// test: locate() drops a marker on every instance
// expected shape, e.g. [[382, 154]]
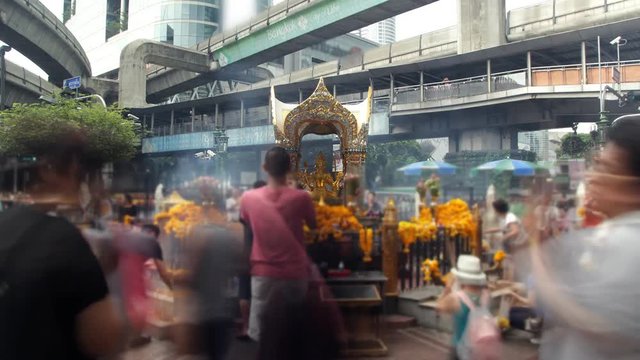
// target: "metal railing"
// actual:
[[555, 17], [437, 248], [471, 86]]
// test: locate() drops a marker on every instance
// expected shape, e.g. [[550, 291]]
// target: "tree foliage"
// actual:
[[29, 129], [574, 146], [384, 159]]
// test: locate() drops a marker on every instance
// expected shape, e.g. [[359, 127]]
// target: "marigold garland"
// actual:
[[454, 216], [366, 243], [180, 219], [499, 256], [431, 270], [334, 221]]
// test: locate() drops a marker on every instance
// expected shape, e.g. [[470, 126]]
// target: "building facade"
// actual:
[[105, 27], [383, 32]]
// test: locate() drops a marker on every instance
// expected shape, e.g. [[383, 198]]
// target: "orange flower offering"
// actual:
[[431, 270], [334, 221], [499, 256], [457, 218], [366, 243], [182, 217]]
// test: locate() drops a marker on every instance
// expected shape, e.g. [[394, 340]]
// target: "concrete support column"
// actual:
[[489, 82], [392, 95], [421, 86], [529, 72], [171, 126], [583, 57], [454, 142], [241, 113], [215, 116], [513, 133], [299, 96], [480, 139], [153, 118], [144, 122], [193, 117], [481, 24], [335, 91]]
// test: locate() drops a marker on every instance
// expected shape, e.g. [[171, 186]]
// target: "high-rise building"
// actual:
[[105, 27], [383, 32]]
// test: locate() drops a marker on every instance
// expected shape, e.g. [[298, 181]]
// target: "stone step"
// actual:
[[432, 319], [396, 322]]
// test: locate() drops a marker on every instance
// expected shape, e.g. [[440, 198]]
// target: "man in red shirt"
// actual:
[[276, 214]]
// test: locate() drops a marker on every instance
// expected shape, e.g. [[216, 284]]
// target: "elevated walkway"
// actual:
[[280, 30], [29, 27], [24, 86]]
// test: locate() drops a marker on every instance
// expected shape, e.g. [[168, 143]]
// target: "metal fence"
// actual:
[[443, 247]]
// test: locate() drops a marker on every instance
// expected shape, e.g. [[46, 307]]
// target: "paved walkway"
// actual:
[[406, 344]]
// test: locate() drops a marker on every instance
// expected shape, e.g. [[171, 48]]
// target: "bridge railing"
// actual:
[[557, 75], [458, 88]]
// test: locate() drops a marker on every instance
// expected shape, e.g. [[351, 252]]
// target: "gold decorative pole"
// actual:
[[390, 247]]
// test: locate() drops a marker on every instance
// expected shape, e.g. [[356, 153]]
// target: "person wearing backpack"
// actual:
[[465, 297]]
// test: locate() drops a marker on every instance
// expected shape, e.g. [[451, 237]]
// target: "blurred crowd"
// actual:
[[80, 292]]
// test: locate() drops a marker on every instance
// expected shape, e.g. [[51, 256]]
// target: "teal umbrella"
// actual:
[[441, 167], [517, 167]]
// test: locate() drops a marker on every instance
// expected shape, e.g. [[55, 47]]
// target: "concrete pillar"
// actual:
[[489, 82], [215, 116], [529, 72], [241, 113], [583, 57], [392, 96], [481, 24], [153, 118], [480, 139], [335, 91], [193, 117], [299, 96], [171, 126], [144, 122], [421, 86], [454, 142]]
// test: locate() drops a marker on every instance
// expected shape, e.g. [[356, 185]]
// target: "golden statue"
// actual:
[[321, 183]]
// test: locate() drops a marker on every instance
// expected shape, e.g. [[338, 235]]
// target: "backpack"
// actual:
[[481, 339]]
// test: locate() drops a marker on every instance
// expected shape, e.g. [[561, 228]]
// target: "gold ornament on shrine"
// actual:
[[322, 114]]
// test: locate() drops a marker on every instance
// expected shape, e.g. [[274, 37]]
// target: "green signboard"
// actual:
[[315, 16]]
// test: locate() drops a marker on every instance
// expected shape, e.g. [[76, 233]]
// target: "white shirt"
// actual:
[[233, 211]]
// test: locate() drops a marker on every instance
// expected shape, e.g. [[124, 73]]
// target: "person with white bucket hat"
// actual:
[[471, 299]]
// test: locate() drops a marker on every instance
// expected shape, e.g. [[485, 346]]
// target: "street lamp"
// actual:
[[618, 41], [3, 75], [221, 141]]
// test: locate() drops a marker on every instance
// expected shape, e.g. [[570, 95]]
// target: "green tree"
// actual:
[[573, 146], [384, 159], [28, 129]]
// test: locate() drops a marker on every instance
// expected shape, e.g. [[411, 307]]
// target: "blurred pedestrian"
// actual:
[[464, 292], [276, 214], [588, 282], [214, 257], [244, 279], [373, 206], [232, 205], [128, 208], [54, 299]]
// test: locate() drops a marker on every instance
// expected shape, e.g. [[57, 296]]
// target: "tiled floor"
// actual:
[[406, 344]]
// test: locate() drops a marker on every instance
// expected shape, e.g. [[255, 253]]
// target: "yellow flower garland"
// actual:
[[334, 221], [454, 216], [431, 270]]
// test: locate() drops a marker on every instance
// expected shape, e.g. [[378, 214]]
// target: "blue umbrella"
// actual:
[[518, 167], [441, 167]]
